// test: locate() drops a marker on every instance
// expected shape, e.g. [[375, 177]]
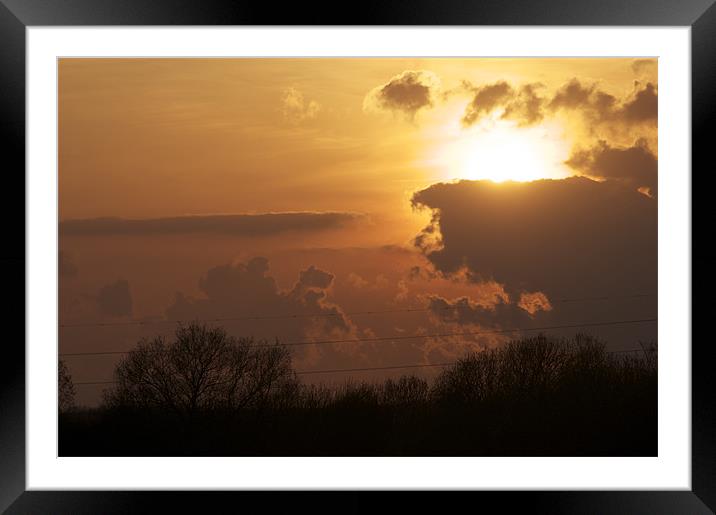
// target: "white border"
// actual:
[[670, 470]]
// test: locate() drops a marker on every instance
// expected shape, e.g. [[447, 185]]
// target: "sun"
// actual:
[[501, 151], [506, 153]]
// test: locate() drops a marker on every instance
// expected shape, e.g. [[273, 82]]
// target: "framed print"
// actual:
[[294, 250]]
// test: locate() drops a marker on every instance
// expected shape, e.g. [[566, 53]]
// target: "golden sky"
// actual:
[[202, 188], [164, 137]]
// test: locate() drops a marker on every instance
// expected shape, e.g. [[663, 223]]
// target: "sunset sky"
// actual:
[[209, 188]]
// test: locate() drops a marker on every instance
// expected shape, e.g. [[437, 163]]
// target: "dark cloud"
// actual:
[[562, 237], [115, 299], [526, 107], [485, 99], [643, 106], [468, 324], [600, 107], [522, 104], [465, 311], [235, 225], [315, 278], [65, 266], [246, 290], [572, 95], [636, 166], [407, 93], [525, 104], [300, 313]]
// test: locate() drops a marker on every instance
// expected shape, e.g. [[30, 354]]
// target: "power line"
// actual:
[[466, 333], [365, 369], [322, 315], [330, 371], [581, 299], [338, 370], [409, 337]]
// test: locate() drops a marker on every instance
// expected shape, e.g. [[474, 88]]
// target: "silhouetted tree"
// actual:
[[66, 389], [407, 390], [202, 368], [533, 396], [649, 350], [522, 369]]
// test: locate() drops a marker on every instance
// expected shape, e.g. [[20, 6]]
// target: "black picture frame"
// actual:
[[17, 15]]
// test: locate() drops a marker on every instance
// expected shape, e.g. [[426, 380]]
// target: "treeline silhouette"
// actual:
[[206, 393]]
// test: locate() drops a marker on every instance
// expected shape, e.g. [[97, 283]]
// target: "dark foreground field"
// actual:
[[533, 397]]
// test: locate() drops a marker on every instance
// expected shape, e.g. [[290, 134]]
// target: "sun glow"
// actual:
[[499, 151]]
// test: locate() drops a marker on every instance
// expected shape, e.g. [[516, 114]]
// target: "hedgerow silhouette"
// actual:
[[206, 393]]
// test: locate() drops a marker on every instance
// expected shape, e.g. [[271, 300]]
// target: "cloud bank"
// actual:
[[246, 290], [466, 311], [600, 107], [235, 225], [526, 104], [562, 237], [635, 166]]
